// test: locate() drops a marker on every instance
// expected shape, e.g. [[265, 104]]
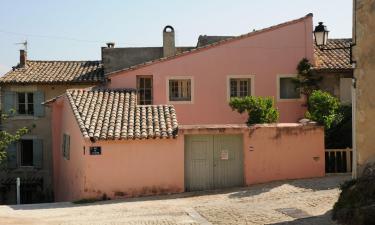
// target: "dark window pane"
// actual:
[[26, 153], [288, 89], [21, 98], [30, 109], [21, 109], [30, 97]]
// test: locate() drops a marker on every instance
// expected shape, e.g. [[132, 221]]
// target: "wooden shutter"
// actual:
[[12, 156], [67, 147], [8, 101], [38, 153], [38, 107]]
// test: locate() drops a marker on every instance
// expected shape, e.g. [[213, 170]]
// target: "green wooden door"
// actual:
[[213, 161], [198, 162]]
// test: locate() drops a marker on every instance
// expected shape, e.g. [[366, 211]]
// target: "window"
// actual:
[[144, 86], [240, 87], [66, 146], [25, 103], [287, 89], [180, 90], [26, 152]]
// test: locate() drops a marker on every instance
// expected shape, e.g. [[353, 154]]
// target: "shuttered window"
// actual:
[[66, 146], [23, 103], [25, 153]]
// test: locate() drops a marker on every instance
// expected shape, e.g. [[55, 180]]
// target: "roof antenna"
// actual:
[[23, 43]]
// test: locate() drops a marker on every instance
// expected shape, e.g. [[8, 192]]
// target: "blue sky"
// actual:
[[50, 26]]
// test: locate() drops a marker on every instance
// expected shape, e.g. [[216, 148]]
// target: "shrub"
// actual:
[[323, 108], [259, 109], [356, 204], [340, 134]]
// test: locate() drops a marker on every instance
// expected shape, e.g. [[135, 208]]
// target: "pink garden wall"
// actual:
[[264, 55], [156, 166]]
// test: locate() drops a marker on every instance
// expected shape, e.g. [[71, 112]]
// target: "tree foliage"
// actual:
[[307, 79], [323, 108], [7, 138], [259, 109]]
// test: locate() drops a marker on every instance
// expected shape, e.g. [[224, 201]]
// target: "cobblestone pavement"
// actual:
[[307, 201]]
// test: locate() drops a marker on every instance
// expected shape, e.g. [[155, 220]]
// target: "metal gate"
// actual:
[[213, 161]]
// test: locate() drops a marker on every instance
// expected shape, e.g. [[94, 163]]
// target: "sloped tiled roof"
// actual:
[[56, 72], [218, 43], [104, 114], [331, 58]]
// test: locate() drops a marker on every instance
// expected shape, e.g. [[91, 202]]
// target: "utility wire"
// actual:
[[58, 37]]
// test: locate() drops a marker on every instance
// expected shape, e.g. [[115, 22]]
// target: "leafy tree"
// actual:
[[259, 109], [7, 138], [324, 108], [307, 79]]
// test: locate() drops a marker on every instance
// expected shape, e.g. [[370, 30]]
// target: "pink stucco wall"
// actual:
[[125, 168], [147, 167], [265, 55], [283, 152], [276, 151], [69, 175]]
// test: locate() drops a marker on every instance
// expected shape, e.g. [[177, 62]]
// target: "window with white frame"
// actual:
[[288, 89], [240, 87], [25, 103], [180, 90]]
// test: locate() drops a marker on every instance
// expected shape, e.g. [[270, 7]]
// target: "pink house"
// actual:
[[165, 126]]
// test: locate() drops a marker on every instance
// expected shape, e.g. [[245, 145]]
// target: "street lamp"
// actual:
[[321, 39], [321, 35]]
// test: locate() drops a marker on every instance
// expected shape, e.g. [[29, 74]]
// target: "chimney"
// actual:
[[169, 47], [110, 44], [23, 57]]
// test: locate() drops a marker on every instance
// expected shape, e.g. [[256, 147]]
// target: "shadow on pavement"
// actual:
[[314, 184], [324, 219], [239, 192]]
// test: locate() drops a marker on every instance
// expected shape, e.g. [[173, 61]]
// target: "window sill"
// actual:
[[290, 100], [180, 102], [19, 117]]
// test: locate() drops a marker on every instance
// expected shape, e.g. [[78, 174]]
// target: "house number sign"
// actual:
[[95, 150], [224, 155]]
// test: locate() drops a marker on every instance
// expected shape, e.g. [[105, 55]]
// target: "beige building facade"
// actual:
[[23, 90], [364, 72]]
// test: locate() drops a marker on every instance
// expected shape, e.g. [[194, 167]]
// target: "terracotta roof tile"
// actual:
[[332, 58], [105, 114], [56, 72]]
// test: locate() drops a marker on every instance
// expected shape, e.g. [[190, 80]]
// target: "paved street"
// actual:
[[306, 201]]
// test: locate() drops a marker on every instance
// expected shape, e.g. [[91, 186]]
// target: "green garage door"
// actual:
[[213, 161]]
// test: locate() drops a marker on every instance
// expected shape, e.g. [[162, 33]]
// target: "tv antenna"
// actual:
[[23, 43]]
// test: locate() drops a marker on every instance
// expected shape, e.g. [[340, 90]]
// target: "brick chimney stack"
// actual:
[[169, 47], [23, 57]]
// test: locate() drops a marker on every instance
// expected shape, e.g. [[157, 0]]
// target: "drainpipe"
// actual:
[[354, 144], [18, 186], [354, 100]]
